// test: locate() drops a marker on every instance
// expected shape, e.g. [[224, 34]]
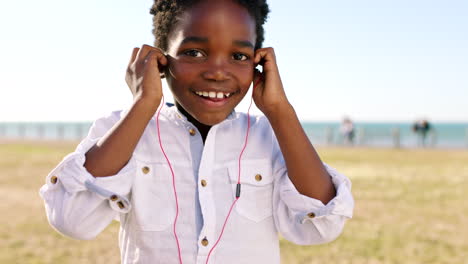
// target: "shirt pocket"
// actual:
[[152, 197], [256, 196]]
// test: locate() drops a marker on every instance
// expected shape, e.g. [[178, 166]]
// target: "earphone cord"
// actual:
[[173, 178]]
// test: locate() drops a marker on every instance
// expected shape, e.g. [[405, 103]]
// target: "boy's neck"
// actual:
[[202, 128]]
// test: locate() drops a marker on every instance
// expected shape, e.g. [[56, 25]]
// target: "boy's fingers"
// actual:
[[261, 57], [162, 63], [155, 60], [134, 54], [162, 59], [143, 57], [258, 56], [156, 57], [130, 67], [143, 53], [264, 54]]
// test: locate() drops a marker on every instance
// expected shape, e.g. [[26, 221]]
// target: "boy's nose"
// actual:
[[216, 75], [216, 71]]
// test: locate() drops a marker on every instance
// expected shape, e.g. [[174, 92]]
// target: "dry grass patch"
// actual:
[[410, 208]]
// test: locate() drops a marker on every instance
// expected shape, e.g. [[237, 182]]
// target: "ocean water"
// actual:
[[442, 135], [44, 130]]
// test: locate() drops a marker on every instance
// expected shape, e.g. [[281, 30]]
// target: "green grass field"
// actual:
[[410, 208]]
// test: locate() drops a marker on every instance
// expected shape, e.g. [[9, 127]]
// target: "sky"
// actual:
[[376, 61]]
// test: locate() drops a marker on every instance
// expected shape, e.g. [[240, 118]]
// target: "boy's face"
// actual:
[[211, 52]]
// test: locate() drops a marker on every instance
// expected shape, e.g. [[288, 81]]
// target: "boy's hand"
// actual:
[[269, 95], [144, 74]]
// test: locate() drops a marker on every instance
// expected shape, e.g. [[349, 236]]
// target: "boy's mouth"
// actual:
[[211, 95]]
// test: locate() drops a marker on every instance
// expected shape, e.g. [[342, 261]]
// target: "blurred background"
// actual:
[[380, 87]]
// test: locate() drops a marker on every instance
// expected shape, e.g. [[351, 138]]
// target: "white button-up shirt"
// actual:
[[141, 195]]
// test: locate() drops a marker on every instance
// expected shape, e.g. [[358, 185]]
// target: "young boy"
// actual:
[[199, 182]]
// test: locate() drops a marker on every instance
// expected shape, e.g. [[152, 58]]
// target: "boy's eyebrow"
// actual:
[[243, 43], [194, 39]]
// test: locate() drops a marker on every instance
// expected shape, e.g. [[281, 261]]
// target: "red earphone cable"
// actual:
[[238, 177], [173, 178], [238, 184], [173, 181]]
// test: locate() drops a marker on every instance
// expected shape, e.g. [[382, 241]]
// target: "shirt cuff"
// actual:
[[74, 177], [309, 209]]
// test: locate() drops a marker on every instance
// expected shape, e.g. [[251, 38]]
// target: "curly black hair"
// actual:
[[165, 11]]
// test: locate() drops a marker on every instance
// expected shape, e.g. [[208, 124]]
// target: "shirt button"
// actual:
[[258, 177], [53, 179], [145, 170], [311, 215], [192, 132], [204, 242], [203, 183]]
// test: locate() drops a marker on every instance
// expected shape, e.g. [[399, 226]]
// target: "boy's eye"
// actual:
[[193, 53], [239, 56]]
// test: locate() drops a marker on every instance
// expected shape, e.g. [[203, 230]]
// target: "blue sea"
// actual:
[[442, 135]]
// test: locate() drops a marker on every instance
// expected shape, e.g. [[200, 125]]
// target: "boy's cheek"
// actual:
[[244, 71], [180, 70]]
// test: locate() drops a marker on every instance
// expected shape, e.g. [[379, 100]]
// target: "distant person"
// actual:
[[421, 128], [347, 130], [175, 207]]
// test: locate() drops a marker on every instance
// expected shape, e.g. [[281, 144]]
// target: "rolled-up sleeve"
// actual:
[[79, 205], [306, 221]]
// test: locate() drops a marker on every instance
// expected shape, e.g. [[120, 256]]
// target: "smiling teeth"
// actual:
[[212, 94]]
